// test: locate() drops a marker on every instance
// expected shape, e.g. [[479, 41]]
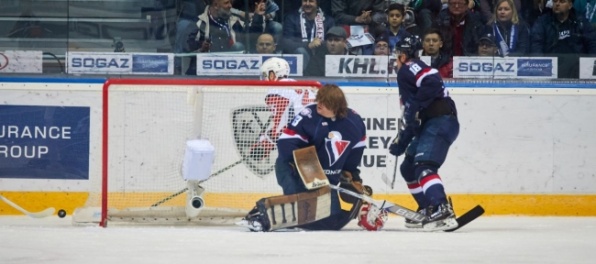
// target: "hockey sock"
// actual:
[[433, 189], [418, 194]]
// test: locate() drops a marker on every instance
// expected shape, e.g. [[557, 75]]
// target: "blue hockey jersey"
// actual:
[[339, 143], [420, 86]]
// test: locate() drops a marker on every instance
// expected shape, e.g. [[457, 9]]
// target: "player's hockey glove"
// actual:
[[405, 134]]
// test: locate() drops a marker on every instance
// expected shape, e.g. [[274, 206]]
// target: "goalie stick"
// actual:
[[40, 214], [312, 175], [172, 196], [385, 205], [462, 220]]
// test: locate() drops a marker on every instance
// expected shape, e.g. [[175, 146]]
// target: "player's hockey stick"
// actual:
[[385, 205], [468, 217], [40, 214], [400, 126], [394, 172], [172, 196]]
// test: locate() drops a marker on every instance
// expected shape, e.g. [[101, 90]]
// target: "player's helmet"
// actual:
[[274, 69], [409, 46]]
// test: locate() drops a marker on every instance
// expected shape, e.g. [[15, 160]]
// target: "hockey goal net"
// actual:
[[147, 124]]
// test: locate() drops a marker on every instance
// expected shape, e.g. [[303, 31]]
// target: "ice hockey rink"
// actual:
[[489, 239]]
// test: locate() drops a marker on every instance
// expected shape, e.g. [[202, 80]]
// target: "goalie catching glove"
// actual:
[[371, 217]]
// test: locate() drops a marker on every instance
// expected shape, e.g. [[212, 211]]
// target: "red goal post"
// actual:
[[146, 126]]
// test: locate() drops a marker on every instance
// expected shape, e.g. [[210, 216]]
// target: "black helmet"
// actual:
[[409, 46]]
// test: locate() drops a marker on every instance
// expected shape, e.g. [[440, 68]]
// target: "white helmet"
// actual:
[[278, 66]]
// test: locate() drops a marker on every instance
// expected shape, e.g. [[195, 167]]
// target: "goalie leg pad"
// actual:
[[294, 210]]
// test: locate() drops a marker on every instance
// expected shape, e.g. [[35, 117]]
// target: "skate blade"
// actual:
[[250, 225], [441, 225], [413, 225]]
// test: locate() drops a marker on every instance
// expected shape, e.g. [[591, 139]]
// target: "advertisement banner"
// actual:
[[120, 63], [358, 66], [21, 61], [44, 142], [226, 64], [587, 68], [507, 67]]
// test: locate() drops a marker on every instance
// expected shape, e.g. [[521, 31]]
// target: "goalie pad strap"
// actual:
[[296, 209]]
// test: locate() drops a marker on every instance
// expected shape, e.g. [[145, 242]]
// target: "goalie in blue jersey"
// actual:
[[429, 127], [338, 135]]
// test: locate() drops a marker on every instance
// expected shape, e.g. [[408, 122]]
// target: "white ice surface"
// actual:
[[487, 240]]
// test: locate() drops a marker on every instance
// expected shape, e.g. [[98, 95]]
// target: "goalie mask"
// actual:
[[274, 69]]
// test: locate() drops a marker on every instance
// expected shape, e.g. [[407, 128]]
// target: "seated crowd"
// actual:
[[446, 28]]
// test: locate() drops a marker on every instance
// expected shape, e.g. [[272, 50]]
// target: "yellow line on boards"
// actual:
[[494, 204]]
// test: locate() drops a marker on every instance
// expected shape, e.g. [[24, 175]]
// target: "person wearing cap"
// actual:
[[304, 30], [564, 34], [487, 46], [381, 45], [335, 44], [512, 35]]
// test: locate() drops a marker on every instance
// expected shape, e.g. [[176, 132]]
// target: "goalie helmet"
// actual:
[[410, 46], [274, 69], [371, 217]]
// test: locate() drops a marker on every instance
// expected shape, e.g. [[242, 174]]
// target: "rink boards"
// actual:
[[523, 148]]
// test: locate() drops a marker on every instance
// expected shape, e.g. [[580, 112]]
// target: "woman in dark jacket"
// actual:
[[512, 34]]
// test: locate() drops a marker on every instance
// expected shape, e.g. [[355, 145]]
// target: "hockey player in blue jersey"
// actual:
[[430, 126], [338, 135]]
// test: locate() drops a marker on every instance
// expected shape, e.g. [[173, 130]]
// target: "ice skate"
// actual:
[[252, 221], [440, 217], [415, 224]]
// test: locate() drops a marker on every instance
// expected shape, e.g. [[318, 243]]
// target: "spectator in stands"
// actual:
[[304, 30], [267, 8], [532, 9], [563, 34], [487, 46], [217, 31], [432, 45], [487, 8], [368, 13], [266, 44], [188, 15], [382, 45], [423, 13], [586, 8], [335, 44], [511, 34], [461, 28], [395, 28]]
